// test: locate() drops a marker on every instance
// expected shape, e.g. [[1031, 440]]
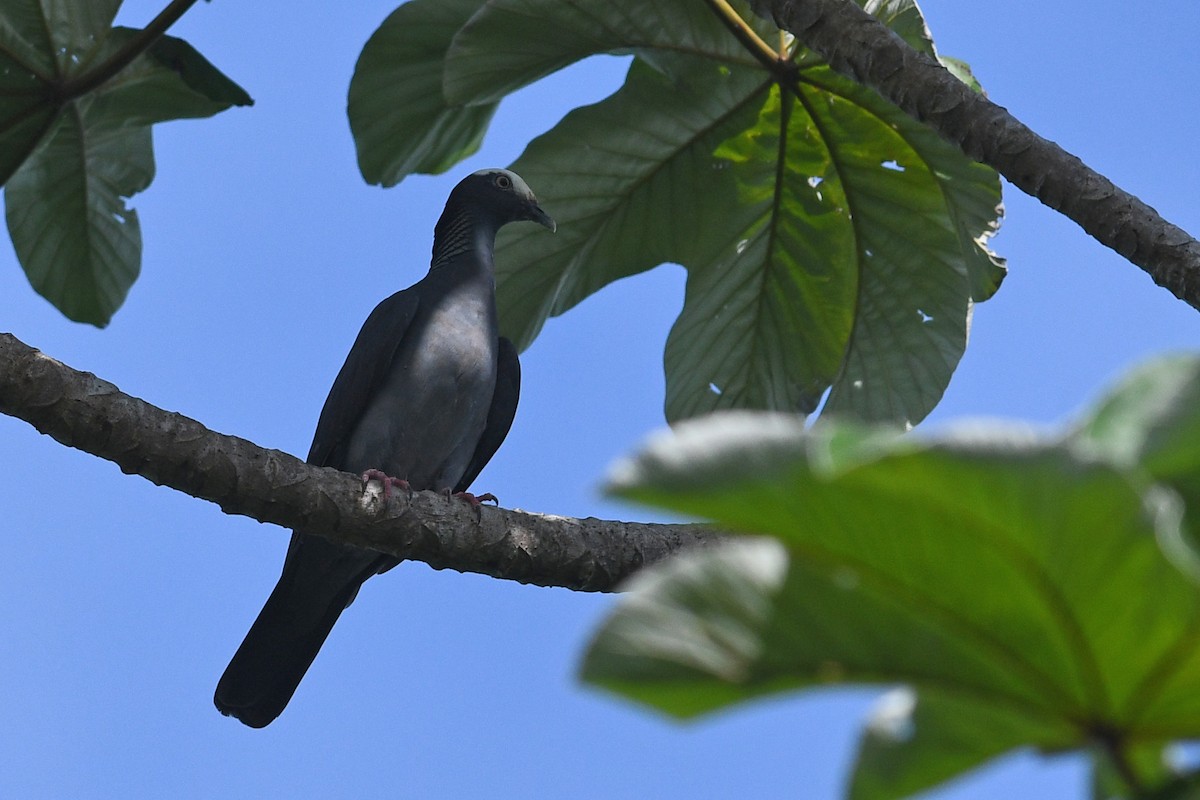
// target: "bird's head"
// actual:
[[504, 193]]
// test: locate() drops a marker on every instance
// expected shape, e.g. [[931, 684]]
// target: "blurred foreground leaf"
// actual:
[[1026, 586]]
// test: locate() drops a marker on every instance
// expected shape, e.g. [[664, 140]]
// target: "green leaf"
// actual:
[[913, 743], [1150, 422], [985, 270], [512, 43], [79, 243], [41, 45], [400, 121], [697, 619], [22, 127], [72, 163], [1002, 575], [170, 81]]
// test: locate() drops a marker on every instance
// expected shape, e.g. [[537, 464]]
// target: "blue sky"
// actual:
[[264, 251]]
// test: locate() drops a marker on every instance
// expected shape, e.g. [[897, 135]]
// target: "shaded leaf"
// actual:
[[72, 163], [1002, 575], [756, 325], [41, 45], [400, 121], [512, 43], [170, 81], [79, 242], [21, 129]]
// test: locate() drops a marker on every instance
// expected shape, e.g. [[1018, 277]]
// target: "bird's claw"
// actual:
[[476, 500], [388, 482]]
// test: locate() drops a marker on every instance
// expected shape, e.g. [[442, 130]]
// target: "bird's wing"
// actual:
[[365, 369], [500, 414]]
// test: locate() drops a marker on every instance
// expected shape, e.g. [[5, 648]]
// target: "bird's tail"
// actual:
[[320, 578]]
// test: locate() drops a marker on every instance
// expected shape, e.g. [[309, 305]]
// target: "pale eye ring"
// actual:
[[503, 182]]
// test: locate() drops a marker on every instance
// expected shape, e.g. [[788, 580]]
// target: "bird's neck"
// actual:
[[463, 237]]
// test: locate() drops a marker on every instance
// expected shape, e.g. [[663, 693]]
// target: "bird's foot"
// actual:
[[388, 482], [477, 500]]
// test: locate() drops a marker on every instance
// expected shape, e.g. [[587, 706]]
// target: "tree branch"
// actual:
[[859, 46], [83, 411]]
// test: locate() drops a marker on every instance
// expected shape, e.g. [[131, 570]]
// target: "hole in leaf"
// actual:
[[892, 165], [712, 387], [892, 717]]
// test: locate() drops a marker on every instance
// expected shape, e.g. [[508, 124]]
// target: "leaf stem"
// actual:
[[1114, 748], [138, 44], [763, 52]]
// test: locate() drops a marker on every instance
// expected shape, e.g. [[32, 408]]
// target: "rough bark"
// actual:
[[83, 411], [859, 46]]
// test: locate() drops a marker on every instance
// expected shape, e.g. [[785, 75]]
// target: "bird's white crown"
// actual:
[[518, 183]]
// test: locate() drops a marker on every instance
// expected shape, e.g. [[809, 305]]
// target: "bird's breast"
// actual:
[[458, 346], [424, 423]]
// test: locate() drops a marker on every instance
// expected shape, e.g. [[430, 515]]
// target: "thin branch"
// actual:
[[124, 56], [857, 45], [85, 412]]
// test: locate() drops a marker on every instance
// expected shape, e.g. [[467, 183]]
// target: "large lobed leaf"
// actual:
[[831, 242], [70, 164], [401, 123], [1027, 586]]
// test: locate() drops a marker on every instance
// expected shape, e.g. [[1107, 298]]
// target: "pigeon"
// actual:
[[426, 396]]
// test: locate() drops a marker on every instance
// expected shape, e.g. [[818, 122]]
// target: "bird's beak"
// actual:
[[540, 217]]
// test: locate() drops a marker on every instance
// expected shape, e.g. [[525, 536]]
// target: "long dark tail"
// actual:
[[320, 578]]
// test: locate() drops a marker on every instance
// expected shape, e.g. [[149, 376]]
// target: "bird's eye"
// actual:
[[503, 182]]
